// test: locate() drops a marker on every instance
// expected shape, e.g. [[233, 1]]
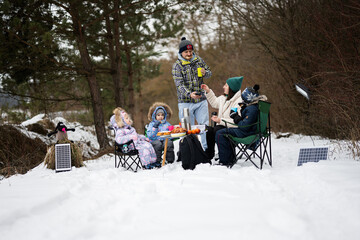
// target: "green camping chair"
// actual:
[[257, 145]]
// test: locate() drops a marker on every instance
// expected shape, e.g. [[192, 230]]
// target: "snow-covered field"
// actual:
[[314, 201]]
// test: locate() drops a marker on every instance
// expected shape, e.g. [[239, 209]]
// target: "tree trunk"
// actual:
[[140, 105], [130, 74], [90, 74], [115, 61], [118, 84]]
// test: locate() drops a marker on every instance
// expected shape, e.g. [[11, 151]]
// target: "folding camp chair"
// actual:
[[128, 159], [257, 145], [127, 156]]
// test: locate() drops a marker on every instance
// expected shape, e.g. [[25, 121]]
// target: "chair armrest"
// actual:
[[126, 143], [227, 122]]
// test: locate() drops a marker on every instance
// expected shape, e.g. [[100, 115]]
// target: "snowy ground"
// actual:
[[315, 201]]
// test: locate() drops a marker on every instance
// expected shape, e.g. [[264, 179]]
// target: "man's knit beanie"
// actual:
[[235, 83], [185, 45]]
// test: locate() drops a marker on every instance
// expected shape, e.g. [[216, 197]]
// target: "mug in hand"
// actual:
[[199, 72]]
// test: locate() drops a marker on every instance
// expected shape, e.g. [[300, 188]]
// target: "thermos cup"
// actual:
[[199, 73]]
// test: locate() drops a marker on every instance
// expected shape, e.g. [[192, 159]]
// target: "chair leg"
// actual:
[[135, 163], [115, 156], [117, 160], [248, 156], [267, 151], [234, 146], [242, 152], [270, 158], [260, 151]]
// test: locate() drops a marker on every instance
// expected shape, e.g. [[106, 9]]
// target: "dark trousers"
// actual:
[[159, 147], [226, 152], [210, 138]]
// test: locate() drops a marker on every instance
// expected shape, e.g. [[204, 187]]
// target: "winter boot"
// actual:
[[170, 156]]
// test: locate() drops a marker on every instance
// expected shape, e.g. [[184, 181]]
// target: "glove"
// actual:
[[243, 107], [234, 115], [156, 124]]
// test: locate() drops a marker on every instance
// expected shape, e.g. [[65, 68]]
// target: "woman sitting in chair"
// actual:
[[245, 122], [230, 99], [124, 132]]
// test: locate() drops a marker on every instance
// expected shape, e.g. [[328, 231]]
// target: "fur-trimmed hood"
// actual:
[[167, 109], [257, 99], [117, 120]]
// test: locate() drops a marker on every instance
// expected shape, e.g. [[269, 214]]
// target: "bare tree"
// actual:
[[312, 42]]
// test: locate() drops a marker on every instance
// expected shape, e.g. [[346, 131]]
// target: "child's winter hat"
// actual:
[[119, 117], [159, 105], [160, 110], [185, 45], [235, 83], [250, 93]]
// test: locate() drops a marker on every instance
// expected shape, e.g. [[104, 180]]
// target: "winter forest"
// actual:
[[75, 61], [87, 57], [90, 56]]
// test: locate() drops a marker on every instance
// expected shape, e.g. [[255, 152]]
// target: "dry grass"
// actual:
[[18, 153]]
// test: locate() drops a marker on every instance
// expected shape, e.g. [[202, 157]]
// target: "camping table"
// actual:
[[166, 137]]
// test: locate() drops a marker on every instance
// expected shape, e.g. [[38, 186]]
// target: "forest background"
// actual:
[[88, 57]]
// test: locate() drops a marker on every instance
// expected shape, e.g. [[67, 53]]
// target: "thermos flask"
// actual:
[[186, 113], [183, 123], [213, 124]]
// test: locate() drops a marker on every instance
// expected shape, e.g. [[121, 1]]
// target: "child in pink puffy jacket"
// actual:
[[124, 132]]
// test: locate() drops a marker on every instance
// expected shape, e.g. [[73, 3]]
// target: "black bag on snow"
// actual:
[[191, 152]]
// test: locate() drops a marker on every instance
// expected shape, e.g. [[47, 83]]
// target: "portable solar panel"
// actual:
[[62, 157], [303, 90], [312, 155]]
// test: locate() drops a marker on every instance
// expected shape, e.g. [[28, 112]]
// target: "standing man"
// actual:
[[186, 71]]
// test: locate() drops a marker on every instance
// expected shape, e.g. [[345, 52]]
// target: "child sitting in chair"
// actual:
[[124, 132], [158, 114], [246, 123]]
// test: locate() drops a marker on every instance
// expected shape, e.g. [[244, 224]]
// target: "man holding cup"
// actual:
[[188, 72]]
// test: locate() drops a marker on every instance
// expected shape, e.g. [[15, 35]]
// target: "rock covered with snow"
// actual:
[[84, 136]]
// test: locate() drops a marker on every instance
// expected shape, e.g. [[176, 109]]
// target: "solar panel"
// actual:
[[303, 90], [312, 155], [62, 157]]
